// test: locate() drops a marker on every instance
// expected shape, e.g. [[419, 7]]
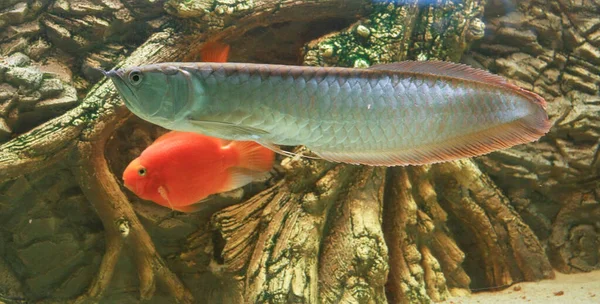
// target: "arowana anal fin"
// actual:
[[474, 144]]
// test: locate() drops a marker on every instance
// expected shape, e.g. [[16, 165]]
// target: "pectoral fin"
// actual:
[[229, 130], [240, 177], [165, 195], [275, 148], [195, 207]]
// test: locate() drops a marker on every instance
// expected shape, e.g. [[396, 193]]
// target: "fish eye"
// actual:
[[135, 77], [142, 171]]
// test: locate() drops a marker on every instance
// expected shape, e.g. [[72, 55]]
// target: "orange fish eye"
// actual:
[[142, 171]]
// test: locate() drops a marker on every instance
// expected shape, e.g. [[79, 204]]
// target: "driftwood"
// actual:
[[316, 232]]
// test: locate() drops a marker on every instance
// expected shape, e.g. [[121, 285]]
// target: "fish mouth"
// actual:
[[132, 100], [127, 94], [127, 185]]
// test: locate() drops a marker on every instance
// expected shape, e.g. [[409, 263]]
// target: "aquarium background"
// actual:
[[313, 231]]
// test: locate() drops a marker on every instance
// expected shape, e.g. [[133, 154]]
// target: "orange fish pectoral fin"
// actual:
[[239, 177], [214, 51], [165, 195]]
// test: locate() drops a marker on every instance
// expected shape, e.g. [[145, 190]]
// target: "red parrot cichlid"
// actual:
[[180, 169]]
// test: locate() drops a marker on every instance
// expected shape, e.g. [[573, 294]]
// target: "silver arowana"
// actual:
[[394, 114]]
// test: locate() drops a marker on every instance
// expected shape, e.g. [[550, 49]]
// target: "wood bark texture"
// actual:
[[314, 231]]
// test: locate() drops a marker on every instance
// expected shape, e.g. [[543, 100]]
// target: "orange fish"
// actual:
[[180, 169]]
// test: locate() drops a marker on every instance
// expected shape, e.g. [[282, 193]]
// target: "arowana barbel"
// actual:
[[393, 114]]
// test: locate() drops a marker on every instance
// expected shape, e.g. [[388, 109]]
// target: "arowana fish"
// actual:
[[180, 169], [406, 113]]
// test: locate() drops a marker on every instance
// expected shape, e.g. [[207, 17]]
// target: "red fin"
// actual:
[[214, 52], [527, 129], [253, 156], [189, 208], [456, 70], [165, 195], [240, 177]]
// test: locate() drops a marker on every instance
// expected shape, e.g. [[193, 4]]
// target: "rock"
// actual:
[[5, 130], [585, 23], [84, 7], [189, 9], [104, 59], [32, 95], [6, 92], [58, 34], [51, 87], [36, 229], [521, 66], [173, 228], [46, 255], [39, 285], [57, 68], [363, 31], [573, 82], [21, 30], [7, 3], [476, 29], [78, 281], [12, 15], [588, 52], [14, 45], [37, 49], [20, 76], [10, 286], [572, 38], [516, 37], [361, 63], [18, 60], [67, 100]]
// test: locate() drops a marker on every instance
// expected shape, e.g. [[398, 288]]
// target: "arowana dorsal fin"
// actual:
[[456, 70], [442, 68]]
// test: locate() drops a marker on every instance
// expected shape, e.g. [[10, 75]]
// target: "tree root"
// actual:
[[424, 261], [275, 236], [280, 239], [122, 227], [509, 249], [354, 257]]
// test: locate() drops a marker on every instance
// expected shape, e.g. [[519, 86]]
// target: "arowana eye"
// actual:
[[135, 77], [142, 171]]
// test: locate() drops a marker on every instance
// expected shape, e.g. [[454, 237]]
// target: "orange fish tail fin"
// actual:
[[253, 156], [214, 52]]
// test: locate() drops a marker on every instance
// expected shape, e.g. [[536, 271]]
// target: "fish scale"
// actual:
[[397, 114]]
